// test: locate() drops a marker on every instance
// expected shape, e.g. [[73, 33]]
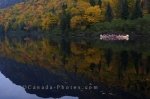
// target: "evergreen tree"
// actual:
[[108, 56], [148, 6], [92, 2], [136, 58], [142, 4], [65, 19], [124, 9], [148, 65], [75, 3], [124, 60], [100, 3], [53, 11], [137, 10], [64, 6], [109, 13], [65, 27], [1, 32]]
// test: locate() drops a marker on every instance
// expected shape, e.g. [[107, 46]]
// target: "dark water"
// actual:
[[22, 81]]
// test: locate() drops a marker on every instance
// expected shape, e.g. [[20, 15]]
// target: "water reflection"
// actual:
[[14, 75], [25, 75], [82, 57]]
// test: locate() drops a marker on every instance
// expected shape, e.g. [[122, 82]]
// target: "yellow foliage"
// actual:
[[115, 4], [131, 5], [92, 56], [91, 15], [76, 21], [74, 11], [82, 5], [48, 21], [76, 49], [6, 26], [93, 11]]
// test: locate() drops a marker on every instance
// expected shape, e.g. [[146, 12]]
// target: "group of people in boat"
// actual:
[[113, 37]]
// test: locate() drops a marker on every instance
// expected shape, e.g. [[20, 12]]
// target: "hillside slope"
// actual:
[[45, 14]]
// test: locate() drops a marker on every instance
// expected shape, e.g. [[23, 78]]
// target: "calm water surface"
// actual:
[[15, 76]]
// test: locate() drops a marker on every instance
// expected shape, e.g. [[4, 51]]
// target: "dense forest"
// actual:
[[45, 15]]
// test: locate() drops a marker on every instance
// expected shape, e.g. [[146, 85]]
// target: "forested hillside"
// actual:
[[45, 14]]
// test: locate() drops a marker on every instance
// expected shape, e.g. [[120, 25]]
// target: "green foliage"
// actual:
[[109, 13], [138, 13], [65, 21], [124, 10], [148, 6], [108, 54], [124, 25], [100, 3], [46, 15], [92, 2], [56, 20]]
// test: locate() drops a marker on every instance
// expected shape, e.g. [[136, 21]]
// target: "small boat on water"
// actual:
[[114, 37]]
